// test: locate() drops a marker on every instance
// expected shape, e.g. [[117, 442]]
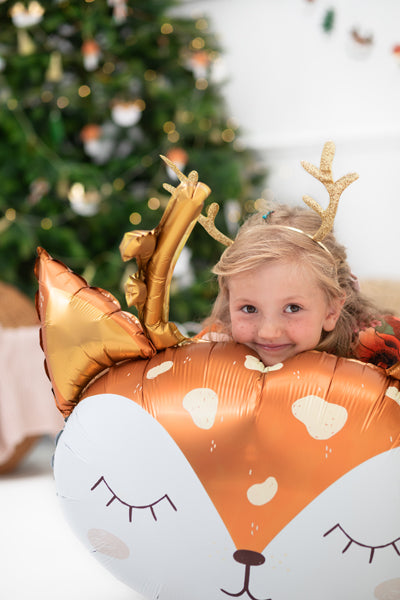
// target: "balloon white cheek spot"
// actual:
[[322, 419], [393, 393], [255, 364], [202, 405], [388, 590], [107, 543], [262, 493], [159, 369]]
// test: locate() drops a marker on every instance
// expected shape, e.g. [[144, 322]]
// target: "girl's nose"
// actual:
[[270, 328]]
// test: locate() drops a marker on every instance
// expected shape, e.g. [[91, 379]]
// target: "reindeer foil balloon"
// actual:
[[194, 472]]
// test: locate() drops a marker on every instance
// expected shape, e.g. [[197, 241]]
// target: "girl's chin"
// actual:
[[271, 355]]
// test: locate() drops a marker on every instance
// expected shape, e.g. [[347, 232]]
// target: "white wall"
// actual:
[[291, 87]]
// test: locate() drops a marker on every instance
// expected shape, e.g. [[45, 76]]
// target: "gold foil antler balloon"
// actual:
[[334, 189], [156, 253]]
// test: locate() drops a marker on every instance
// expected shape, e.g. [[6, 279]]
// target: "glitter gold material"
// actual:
[[208, 223], [334, 189], [324, 175]]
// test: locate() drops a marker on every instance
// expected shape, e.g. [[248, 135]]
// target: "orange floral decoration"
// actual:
[[381, 345]]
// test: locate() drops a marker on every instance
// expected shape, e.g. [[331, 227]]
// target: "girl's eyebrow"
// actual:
[[244, 300], [295, 298]]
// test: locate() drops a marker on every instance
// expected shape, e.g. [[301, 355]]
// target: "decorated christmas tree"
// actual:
[[91, 93]]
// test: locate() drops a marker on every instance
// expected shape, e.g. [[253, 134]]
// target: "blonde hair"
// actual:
[[262, 240]]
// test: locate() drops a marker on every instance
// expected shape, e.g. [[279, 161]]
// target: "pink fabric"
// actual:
[[27, 406]]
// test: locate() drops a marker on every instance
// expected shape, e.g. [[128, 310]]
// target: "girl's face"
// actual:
[[279, 310]]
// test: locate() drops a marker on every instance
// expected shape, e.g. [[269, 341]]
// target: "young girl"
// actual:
[[282, 293]]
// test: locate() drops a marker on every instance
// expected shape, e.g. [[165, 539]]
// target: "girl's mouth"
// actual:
[[273, 347]]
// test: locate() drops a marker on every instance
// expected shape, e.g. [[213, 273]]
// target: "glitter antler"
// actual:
[[191, 179], [208, 223], [334, 189]]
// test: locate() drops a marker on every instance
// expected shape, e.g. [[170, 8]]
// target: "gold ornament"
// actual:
[[54, 71], [26, 45]]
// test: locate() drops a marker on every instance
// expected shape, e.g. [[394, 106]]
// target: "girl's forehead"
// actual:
[[282, 278], [277, 268]]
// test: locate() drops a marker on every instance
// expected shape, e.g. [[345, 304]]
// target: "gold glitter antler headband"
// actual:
[[208, 223], [324, 175], [334, 189]]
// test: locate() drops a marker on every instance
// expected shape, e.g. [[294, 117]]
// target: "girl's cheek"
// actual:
[[241, 331]]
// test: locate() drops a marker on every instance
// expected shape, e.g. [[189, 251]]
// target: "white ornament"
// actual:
[[125, 114]]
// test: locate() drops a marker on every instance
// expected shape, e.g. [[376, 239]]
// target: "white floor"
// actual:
[[40, 558]]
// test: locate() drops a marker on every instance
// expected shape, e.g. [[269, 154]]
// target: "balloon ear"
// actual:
[[83, 330]]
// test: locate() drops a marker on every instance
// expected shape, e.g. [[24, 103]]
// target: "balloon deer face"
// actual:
[[199, 473], [192, 471]]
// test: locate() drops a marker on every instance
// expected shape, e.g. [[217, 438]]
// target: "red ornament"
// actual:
[[199, 63], [178, 156], [90, 132]]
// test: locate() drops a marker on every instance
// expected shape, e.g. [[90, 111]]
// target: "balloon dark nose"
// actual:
[[248, 557]]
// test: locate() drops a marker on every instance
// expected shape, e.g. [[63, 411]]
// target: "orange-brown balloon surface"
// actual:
[[315, 418]]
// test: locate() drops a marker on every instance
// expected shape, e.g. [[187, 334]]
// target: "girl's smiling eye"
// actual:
[[249, 309], [292, 308]]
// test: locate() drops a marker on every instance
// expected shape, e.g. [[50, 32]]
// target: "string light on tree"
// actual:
[[11, 214], [154, 203], [166, 28], [228, 135], [135, 218], [201, 24], [46, 223]]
